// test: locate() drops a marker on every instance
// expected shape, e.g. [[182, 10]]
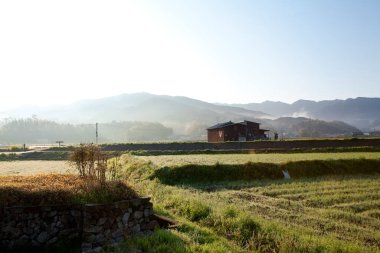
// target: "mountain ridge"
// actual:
[[188, 116], [362, 112]]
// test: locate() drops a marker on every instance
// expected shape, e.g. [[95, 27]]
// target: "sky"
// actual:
[[57, 52]]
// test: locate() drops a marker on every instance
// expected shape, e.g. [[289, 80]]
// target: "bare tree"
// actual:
[[90, 161]]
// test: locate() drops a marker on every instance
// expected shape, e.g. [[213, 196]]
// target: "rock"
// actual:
[[59, 224], [151, 225], [86, 246], [27, 216], [46, 208], [147, 212], [12, 231], [107, 233], [125, 218], [52, 214], [101, 221], [35, 243], [73, 235], [18, 209], [120, 225], [100, 238], [42, 237], [119, 239], [76, 213], [89, 238], [52, 241], [117, 233], [136, 229], [64, 232], [22, 241], [92, 229], [136, 202], [67, 220], [138, 214], [97, 249]]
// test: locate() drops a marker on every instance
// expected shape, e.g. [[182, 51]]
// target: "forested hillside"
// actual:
[[33, 130]]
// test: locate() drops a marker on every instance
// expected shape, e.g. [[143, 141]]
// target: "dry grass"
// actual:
[[59, 189], [42, 182], [34, 167]]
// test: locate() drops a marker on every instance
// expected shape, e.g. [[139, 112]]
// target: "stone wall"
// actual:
[[107, 225], [92, 227], [39, 226]]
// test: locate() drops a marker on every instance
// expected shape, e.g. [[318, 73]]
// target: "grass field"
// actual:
[[177, 160], [34, 167], [324, 213], [331, 213]]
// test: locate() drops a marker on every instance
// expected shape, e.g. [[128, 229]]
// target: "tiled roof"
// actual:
[[230, 123], [221, 125]]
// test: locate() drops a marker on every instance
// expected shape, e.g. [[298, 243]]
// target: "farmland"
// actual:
[[177, 160], [328, 213], [239, 202], [34, 167], [57, 189]]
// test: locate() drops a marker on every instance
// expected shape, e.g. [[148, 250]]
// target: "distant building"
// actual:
[[240, 131]]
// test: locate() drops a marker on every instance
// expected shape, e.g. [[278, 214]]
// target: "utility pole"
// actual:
[[96, 132]]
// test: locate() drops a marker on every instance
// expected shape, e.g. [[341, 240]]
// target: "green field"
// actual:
[[176, 160], [329, 213]]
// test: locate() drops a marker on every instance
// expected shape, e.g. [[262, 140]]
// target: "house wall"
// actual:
[[232, 133], [236, 132], [215, 135]]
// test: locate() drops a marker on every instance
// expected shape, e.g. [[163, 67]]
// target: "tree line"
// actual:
[[41, 131]]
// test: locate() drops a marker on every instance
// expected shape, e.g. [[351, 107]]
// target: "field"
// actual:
[[225, 204], [177, 160], [328, 213], [55, 189], [34, 167]]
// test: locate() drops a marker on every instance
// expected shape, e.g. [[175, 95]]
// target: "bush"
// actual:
[[90, 161]]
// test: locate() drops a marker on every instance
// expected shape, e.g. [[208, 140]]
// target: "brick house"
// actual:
[[240, 131]]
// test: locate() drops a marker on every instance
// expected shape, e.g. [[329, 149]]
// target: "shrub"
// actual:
[[90, 161]]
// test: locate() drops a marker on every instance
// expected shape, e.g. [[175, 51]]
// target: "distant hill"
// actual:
[[363, 113], [180, 113], [183, 118], [305, 127]]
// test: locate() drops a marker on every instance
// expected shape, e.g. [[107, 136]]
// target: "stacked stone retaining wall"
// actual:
[[92, 226]]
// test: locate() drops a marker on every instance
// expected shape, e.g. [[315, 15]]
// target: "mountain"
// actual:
[[305, 127], [360, 112], [183, 114], [176, 117]]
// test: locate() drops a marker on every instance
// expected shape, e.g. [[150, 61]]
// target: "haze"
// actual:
[[57, 52]]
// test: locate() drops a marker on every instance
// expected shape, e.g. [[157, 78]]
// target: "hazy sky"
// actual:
[[218, 51]]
